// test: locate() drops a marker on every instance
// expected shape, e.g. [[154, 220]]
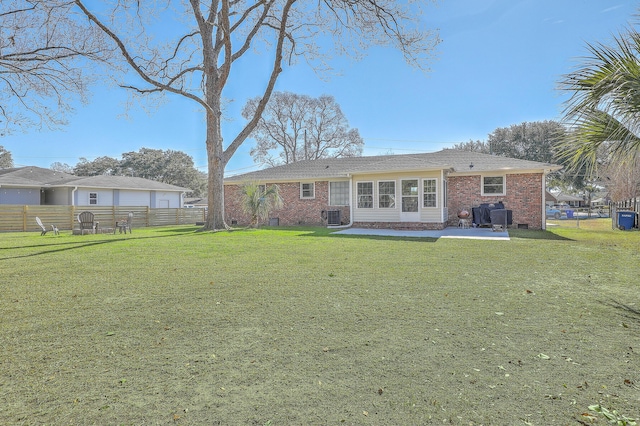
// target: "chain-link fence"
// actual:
[[578, 217]]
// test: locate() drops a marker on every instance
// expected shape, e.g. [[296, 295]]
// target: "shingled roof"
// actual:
[[37, 177], [454, 161]]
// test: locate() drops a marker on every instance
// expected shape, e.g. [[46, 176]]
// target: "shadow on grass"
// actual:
[[384, 238], [536, 235], [56, 247], [628, 311], [326, 232], [75, 246], [182, 230]]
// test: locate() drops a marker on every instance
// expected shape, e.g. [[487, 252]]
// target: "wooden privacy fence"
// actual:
[[632, 204], [23, 218]]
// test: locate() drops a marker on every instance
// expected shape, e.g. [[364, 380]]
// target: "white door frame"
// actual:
[[410, 216]]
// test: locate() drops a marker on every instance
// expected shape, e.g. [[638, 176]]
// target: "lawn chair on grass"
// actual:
[[123, 225], [86, 223], [44, 229]]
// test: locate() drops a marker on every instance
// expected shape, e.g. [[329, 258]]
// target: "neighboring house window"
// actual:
[[339, 193], [429, 193], [93, 198], [387, 195], [307, 190], [365, 195], [493, 185]]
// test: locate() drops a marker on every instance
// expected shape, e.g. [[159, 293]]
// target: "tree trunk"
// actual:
[[216, 165]]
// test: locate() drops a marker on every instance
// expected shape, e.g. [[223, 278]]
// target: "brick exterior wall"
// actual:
[[524, 197], [295, 211]]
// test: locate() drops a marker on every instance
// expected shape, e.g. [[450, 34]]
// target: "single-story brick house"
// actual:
[[38, 186], [567, 199], [412, 191]]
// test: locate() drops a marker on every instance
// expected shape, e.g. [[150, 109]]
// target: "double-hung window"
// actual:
[[387, 194], [429, 193], [339, 193], [365, 195], [307, 190], [93, 198], [493, 185]]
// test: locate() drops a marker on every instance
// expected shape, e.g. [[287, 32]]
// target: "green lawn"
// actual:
[[295, 326]]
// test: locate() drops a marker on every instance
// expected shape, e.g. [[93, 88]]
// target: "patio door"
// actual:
[[410, 194]]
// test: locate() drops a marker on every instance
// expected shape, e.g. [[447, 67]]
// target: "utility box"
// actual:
[[333, 217]]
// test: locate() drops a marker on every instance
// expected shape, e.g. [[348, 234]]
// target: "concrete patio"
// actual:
[[451, 232]]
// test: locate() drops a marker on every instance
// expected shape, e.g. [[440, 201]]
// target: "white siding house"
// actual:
[[39, 186]]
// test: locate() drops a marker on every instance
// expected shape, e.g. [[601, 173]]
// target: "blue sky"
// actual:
[[498, 64]]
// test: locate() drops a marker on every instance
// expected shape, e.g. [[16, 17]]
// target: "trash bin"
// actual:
[[569, 214], [626, 220]]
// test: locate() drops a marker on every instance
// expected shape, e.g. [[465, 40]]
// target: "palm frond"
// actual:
[[603, 111]]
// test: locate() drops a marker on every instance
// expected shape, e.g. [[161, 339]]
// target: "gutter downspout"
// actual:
[[73, 196], [350, 207]]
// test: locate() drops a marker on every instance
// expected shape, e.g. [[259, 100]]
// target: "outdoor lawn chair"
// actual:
[[86, 222], [123, 225], [44, 229]]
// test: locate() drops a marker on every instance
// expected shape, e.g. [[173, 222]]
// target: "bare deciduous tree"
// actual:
[[622, 179], [296, 127], [61, 167], [43, 61], [200, 42]]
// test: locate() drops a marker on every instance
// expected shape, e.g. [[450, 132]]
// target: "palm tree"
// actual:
[[604, 110], [258, 201]]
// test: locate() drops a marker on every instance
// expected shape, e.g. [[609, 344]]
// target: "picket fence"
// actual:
[[18, 218], [632, 204]]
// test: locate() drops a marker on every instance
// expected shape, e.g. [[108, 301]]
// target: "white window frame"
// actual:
[[93, 196], [483, 185], [380, 194], [331, 195], [434, 192], [302, 190], [372, 195]]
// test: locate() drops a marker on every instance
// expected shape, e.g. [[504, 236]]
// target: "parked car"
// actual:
[[554, 212]]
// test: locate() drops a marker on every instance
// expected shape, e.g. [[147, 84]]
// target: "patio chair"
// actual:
[[123, 225], [86, 222], [44, 229]]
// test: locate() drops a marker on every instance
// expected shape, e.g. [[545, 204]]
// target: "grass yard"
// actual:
[[297, 327]]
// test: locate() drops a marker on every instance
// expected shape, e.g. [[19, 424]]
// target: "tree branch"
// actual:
[[131, 61], [275, 71]]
